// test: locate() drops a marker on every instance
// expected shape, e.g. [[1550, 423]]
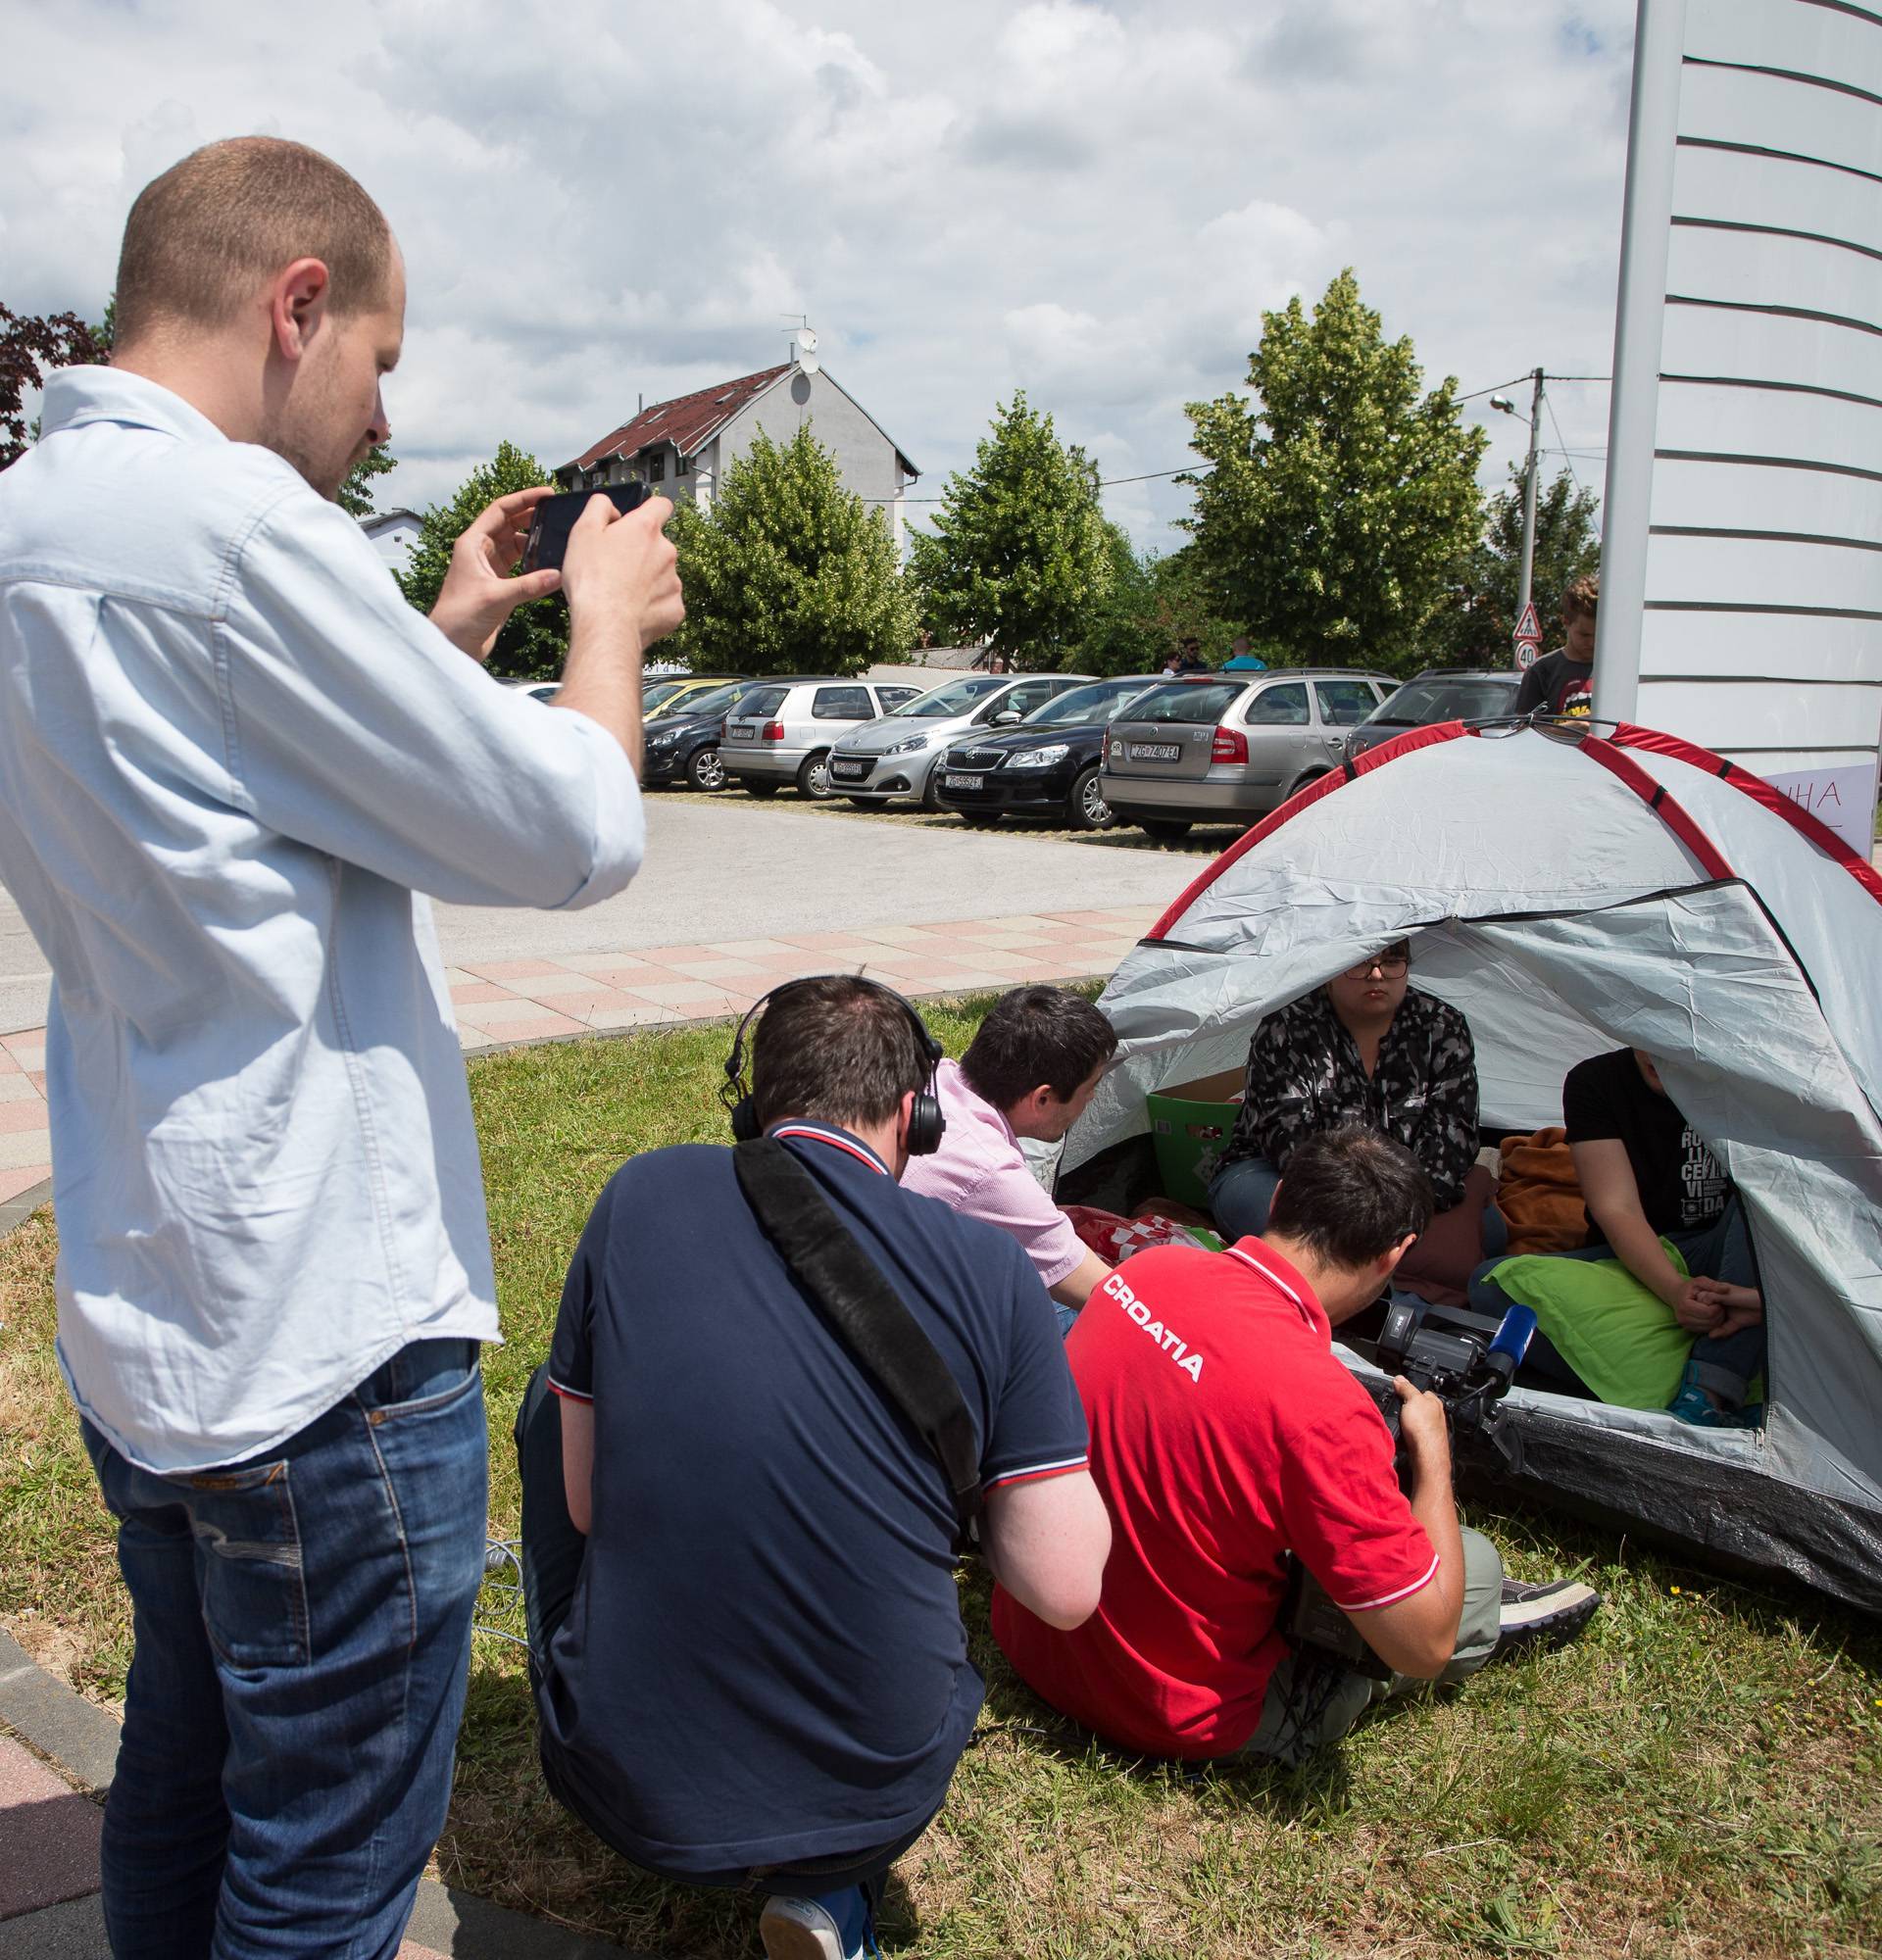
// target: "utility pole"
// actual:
[[1525, 593]]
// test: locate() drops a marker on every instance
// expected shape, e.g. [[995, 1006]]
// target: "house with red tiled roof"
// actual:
[[683, 447]]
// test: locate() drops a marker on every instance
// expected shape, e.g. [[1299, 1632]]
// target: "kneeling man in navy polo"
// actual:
[[1225, 1434], [749, 1659]]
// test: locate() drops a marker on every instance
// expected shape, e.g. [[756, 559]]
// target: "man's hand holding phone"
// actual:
[[623, 582], [479, 595]]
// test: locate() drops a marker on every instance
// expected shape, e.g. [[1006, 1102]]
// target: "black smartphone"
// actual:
[[555, 517]]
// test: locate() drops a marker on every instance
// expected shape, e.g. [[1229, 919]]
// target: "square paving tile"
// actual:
[[498, 1013], [548, 986], [468, 991], [628, 1017], [23, 1177], [604, 962], [712, 967], [511, 969], [688, 994], [26, 1114], [18, 1087], [537, 1030], [32, 1058], [25, 1148], [50, 1833]]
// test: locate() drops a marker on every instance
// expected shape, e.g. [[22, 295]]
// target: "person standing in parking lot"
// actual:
[[1562, 682], [231, 758]]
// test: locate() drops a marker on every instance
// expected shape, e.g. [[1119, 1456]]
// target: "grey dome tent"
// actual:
[[1571, 888]]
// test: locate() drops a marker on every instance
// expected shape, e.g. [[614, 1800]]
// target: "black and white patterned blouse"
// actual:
[[1304, 1076]]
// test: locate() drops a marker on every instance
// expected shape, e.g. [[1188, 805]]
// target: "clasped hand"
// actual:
[[1716, 1308]]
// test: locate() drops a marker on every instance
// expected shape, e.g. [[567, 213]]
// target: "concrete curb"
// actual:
[[16, 1210]]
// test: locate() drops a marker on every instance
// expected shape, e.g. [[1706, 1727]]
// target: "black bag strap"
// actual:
[[868, 1314]]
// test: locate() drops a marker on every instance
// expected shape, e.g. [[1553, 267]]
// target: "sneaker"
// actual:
[[1547, 1615], [1704, 1410], [835, 1927]]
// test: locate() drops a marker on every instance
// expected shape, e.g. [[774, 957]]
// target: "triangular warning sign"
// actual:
[[1529, 627]]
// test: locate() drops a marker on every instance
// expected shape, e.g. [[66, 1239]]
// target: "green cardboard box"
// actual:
[[1190, 1125]]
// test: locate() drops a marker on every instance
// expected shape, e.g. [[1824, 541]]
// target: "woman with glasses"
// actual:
[[1366, 1048]]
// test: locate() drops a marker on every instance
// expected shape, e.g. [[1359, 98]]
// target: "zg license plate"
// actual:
[[849, 771], [742, 731], [964, 782], [1155, 752]]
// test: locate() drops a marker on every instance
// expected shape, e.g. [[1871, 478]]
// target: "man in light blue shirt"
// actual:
[[234, 767]]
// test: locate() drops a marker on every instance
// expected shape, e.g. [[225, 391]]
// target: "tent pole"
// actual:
[[1646, 234]]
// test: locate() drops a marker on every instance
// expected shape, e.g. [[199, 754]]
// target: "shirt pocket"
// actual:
[[253, 1586]]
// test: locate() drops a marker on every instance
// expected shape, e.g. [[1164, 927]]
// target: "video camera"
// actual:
[[1470, 1375]]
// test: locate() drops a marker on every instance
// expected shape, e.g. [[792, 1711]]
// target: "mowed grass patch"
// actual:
[[1697, 1777]]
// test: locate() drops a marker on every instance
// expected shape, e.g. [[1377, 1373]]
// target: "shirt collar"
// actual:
[[74, 396], [949, 1074], [1287, 1277], [828, 1133]]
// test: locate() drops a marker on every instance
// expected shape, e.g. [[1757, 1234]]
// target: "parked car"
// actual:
[[1229, 748], [783, 729], [892, 760], [1046, 767], [536, 690], [682, 745], [1438, 694], [669, 696]]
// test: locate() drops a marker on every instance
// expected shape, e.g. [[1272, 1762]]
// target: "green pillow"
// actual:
[[1618, 1336]]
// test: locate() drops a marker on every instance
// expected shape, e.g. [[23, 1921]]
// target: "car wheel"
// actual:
[[931, 791], [813, 776], [1165, 829], [760, 789], [1086, 807], [705, 771]]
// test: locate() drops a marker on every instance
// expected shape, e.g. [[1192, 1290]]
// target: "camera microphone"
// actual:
[[1505, 1353]]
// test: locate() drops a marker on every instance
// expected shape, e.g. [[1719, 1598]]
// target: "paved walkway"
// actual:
[[503, 1001]]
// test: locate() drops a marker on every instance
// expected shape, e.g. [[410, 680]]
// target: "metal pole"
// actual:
[[1529, 501], [1646, 234]]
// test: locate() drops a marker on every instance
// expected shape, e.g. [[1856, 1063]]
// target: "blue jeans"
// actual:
[[1240, 1196], [303, 1637], [1721, 1251]]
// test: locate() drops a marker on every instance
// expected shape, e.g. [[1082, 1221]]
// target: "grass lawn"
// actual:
[[1702, 1775]]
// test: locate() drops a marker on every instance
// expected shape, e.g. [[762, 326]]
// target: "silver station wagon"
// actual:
[[1228, 748], [783, 731]]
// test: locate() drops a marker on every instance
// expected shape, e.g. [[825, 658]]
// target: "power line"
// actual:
[[1573, 474]]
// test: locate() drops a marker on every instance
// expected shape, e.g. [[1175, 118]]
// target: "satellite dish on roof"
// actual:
[[808, 358]]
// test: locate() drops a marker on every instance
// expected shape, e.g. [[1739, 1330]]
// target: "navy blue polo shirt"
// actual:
[[764, 1660]]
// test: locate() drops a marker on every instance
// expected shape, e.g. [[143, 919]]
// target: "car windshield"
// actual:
[[715, 700], [1419, 703], [1189, 702], [662, 690], [953, 696], [1099, 701]]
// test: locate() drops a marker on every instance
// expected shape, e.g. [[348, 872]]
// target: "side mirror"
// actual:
[[1007, 717]]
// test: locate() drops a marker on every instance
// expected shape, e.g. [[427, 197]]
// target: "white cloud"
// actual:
[[1093, 202]]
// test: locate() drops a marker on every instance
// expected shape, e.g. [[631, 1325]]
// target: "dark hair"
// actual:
[[1582, 600], [1037, 1035], [837, 1047], [1351, 1194], [206, 233]]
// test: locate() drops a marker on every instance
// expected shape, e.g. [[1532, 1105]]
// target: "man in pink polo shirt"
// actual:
[[1036, 1062]]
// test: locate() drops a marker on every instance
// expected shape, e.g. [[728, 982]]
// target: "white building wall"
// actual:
[[865, 457]]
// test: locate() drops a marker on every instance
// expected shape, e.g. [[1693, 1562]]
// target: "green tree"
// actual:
[[356, 497], [790, 572], [1340, 500], [1476, 624], [30, 346], [1020, 555], [535, 643]]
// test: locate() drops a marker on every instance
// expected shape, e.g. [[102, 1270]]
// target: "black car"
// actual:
[[1438, 694], [1046, 767], [684, 746]]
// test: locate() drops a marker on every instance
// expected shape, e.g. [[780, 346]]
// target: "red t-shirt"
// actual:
[[1224, 1433]]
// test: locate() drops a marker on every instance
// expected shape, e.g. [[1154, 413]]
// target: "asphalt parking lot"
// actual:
[[724, 866]]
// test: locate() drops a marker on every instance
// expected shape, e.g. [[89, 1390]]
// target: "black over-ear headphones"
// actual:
[[926, 1124]]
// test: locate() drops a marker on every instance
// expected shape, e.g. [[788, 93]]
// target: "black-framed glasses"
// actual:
[[1388, 965]]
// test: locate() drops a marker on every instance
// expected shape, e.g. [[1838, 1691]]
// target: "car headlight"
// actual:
[[907, 746], [1040, 758], [665, 738]]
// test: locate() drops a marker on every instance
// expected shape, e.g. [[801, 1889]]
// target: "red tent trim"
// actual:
[[1630, 736]]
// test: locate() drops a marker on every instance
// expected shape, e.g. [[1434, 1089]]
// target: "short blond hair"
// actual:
[[203, 237], [1582, 598]]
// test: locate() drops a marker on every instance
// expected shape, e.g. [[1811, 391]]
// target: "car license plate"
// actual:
[[1155, 752], [964, 782], [850, 772], [742, 731]]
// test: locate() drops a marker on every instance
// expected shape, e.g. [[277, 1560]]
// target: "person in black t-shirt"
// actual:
[[738, 1571], [1562, 682], [1647, 1175]]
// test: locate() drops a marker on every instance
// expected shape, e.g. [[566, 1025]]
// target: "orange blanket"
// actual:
[[1539, 1196]]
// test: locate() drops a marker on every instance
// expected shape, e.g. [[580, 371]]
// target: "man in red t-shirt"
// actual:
[[1225, 1434]]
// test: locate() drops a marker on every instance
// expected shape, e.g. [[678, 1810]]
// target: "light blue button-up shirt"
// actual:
[[231, 758]]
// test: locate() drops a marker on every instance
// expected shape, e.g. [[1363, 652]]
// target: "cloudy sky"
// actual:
[[1092, 202]]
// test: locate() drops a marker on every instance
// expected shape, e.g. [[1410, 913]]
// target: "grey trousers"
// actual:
[[1308, 1705]]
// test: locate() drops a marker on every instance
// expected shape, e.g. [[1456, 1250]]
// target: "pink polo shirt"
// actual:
[[980, 1172]]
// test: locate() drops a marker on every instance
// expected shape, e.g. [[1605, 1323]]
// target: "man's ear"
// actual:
[[1388, 1261], [297, 306], [904, 1116]]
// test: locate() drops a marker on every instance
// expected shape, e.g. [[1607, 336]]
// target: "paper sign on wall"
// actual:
[[1843, 800]]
